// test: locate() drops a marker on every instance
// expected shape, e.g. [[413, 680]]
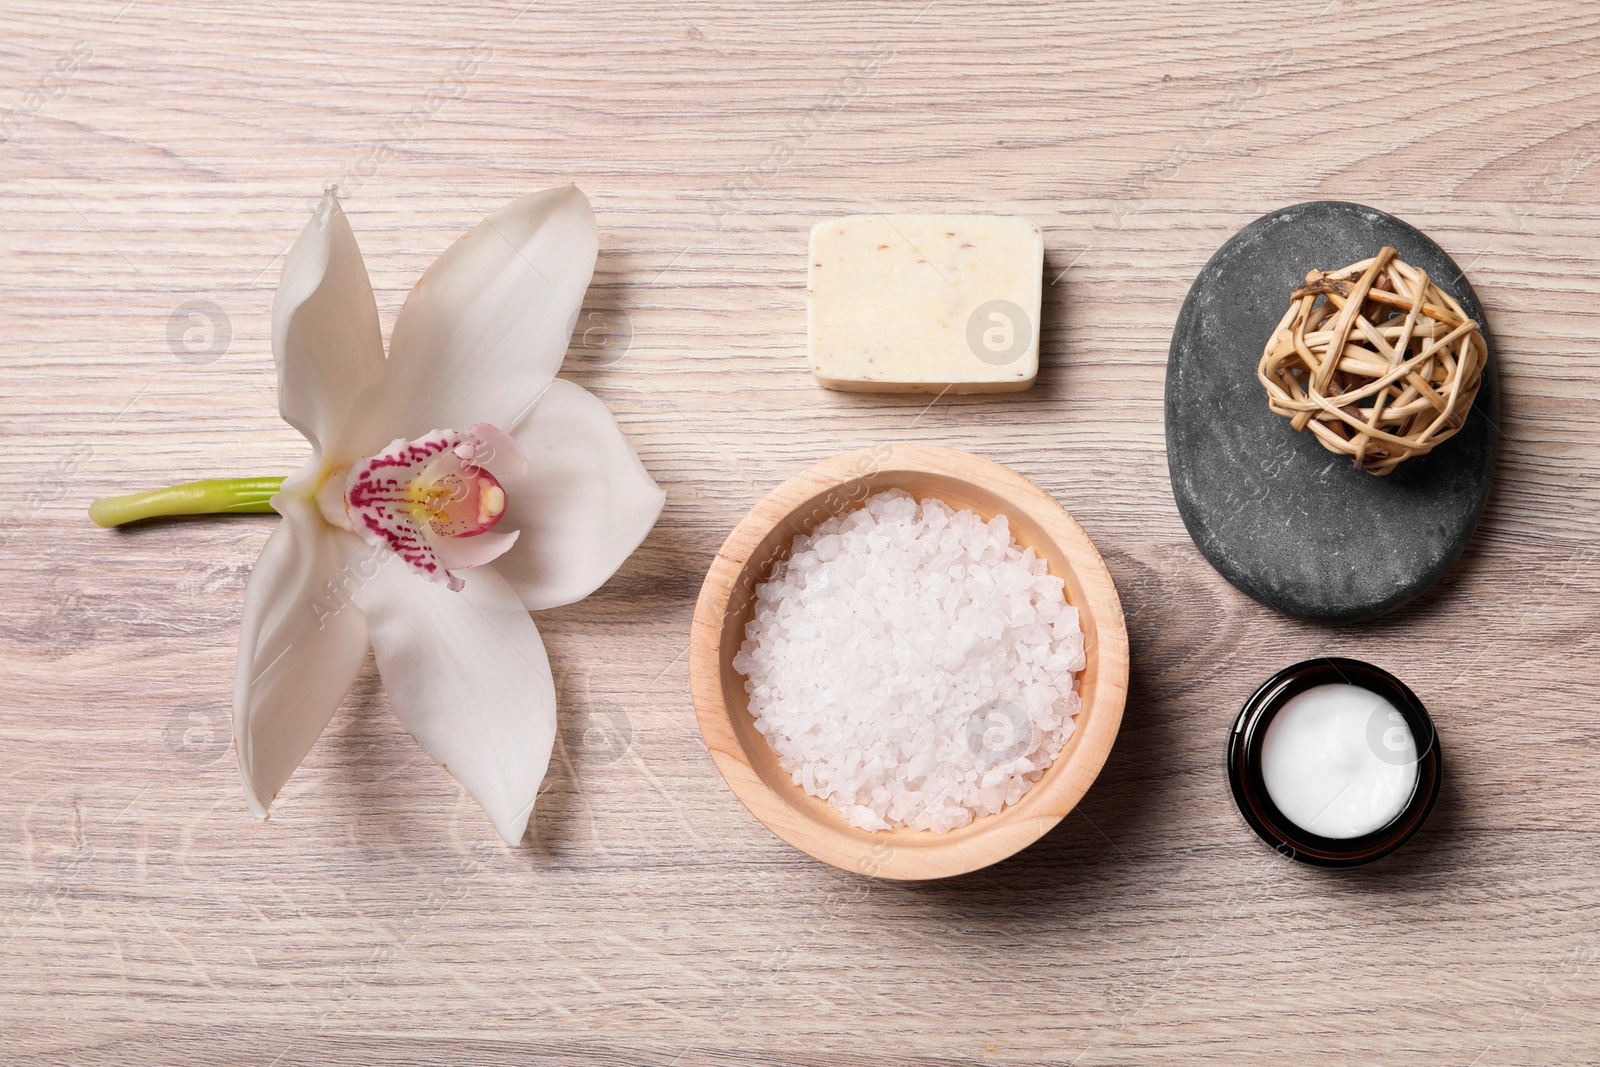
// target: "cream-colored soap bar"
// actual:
[[925, 303]]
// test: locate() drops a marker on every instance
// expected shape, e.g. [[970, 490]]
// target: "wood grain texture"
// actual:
[[750, 556], [158, 154]]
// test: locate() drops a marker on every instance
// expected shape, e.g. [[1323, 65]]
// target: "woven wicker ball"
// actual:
[[1376, 360]]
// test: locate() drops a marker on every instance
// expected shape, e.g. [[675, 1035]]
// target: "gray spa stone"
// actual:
[[1286, 521]]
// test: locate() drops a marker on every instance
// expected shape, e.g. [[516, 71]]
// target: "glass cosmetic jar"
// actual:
[[1334, 762]]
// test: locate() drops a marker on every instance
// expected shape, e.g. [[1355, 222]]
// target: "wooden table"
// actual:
[[157, 156]]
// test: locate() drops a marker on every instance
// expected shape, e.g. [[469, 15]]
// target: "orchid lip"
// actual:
[[421, 498], [458, 500]]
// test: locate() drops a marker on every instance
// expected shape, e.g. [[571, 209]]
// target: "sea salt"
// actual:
[[912, 665]]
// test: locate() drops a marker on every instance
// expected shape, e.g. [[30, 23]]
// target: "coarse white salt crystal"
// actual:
[[912, 665]]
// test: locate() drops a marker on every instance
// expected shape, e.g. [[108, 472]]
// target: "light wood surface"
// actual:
[[157, 154], [750, 556]]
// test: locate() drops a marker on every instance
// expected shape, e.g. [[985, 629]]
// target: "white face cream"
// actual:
[[1339, 761]]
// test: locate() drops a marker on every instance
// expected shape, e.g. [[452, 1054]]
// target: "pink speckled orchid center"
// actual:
[[452, 497], [435, 501]]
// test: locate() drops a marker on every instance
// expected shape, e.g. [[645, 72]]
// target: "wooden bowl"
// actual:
[[764, 537]]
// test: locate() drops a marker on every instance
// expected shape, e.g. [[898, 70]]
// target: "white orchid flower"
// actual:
[[451, 489]]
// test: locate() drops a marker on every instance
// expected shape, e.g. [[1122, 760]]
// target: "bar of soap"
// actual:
[[925, 303]]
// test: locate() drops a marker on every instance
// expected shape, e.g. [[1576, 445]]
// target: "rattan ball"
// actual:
[[1376, 360]]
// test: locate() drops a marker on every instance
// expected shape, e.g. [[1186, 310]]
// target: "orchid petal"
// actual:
[[493, 450], [584, 505], [488, 324], [301, 645], [463, 553], [325, 336], [468, 677]]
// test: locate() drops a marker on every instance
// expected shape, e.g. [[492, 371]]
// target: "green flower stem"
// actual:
[[228, 496]]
